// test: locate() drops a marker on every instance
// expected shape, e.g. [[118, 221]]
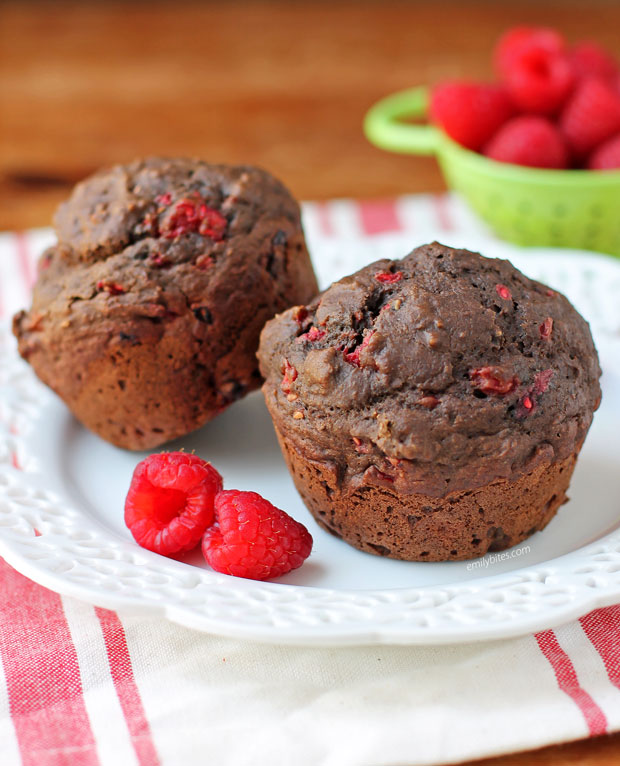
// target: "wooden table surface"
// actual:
[[280, 84]]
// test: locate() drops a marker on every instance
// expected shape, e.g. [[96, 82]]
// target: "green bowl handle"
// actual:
[[383, 126]]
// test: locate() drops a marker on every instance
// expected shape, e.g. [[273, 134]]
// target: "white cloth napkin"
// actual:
[[83, 685]]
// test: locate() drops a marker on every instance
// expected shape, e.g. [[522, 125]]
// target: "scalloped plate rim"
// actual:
[[584, 597], [402, 635]]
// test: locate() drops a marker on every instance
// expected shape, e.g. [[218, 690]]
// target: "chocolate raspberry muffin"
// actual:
[[146, 314], [432, 408]]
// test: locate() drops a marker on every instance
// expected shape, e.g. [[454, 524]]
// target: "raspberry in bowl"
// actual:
[[525, 152]]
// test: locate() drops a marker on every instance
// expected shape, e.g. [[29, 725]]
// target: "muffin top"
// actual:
[[442, 371], [157, 200], [162, 240]]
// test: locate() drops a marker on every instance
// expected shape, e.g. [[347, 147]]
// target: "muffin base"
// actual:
[[462, 525]]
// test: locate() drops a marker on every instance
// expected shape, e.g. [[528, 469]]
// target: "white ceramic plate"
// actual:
[[72, 485]]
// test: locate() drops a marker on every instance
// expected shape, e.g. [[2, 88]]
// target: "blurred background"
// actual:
[[281, 84]]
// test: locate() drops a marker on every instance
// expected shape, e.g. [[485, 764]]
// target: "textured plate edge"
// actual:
[[403, 635], [407, 636]]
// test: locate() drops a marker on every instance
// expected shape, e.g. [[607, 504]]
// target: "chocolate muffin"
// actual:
[[146, 314], [432, 408]]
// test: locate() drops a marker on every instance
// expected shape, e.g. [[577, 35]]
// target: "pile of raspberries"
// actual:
[[554, 106]]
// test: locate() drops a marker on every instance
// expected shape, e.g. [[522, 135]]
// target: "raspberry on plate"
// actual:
[[170, 502], [607, 156], [591, 116], [254, 539], [470, 112], [529, 140]]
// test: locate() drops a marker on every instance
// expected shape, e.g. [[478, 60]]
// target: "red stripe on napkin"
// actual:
[[442, 212], [378, 216], [602, 627], [23, 258], [42, 676], [126, 687], [569, 683], [324, 219]]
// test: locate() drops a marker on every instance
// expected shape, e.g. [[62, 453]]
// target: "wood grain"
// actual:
[[280, 84], [601, 751]]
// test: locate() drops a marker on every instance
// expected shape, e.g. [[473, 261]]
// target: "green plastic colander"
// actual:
[[559, 208]]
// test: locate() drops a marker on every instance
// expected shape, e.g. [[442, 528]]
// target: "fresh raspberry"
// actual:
[[170, 501], [535, 67], [591, 116], [515, 41], [607, 156], [540, 82], [254, 539], [468, 112], [589, 59], [529, 140]]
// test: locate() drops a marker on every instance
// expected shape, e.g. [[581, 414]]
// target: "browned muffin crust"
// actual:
[[419, 380], [462, 525], [146, 314]]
